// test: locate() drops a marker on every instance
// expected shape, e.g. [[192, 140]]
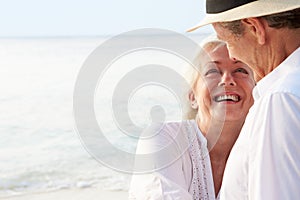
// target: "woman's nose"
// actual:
[[227, 80]]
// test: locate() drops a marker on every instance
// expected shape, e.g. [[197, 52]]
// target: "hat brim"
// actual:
[[253, 9]]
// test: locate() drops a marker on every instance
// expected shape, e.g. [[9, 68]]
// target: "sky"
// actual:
[[38, 18]]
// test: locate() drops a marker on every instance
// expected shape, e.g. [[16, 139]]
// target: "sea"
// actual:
[[42, 147]]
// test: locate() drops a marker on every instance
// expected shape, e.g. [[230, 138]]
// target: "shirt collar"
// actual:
[[266, 83]]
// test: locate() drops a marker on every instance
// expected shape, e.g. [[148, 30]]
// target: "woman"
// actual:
[[221, 96]]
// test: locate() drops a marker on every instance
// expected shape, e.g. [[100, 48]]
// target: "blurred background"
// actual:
[[43, 45]]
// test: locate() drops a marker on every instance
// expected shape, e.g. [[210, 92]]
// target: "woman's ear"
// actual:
[[193, 101], [257, 27]]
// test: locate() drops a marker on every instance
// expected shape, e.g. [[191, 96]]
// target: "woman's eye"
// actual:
[[212, 71], [242, 70]]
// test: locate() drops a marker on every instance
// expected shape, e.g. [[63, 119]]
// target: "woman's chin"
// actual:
[[228, 116]]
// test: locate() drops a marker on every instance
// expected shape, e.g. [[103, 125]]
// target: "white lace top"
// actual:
[[189, 176]]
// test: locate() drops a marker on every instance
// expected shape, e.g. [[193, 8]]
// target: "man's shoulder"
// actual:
[[289, 84]]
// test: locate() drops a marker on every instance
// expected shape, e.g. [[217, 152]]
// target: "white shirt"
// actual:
[[265, 160], [188, 177]]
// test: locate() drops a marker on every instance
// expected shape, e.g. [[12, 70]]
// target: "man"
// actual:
[[265, 34]]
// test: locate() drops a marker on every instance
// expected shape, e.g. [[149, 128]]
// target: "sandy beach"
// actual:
[[74, 194]]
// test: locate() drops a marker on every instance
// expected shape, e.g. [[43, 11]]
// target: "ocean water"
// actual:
[[40, 149]]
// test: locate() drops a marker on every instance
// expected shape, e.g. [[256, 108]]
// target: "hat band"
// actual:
[[217, 6]]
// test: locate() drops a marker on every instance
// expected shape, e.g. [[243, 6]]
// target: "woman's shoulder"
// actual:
[[188, 128], [171, 129], [179, 126], [159, 135]]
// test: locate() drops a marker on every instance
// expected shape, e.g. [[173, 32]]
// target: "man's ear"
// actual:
[[257, 27]]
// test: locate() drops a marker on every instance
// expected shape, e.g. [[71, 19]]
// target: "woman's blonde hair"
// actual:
[[208, 44]]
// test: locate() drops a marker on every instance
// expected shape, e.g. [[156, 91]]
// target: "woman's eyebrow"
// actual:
[[213, 62], [237, 61]]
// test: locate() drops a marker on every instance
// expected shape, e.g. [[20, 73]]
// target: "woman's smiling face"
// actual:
[[223, 90]]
